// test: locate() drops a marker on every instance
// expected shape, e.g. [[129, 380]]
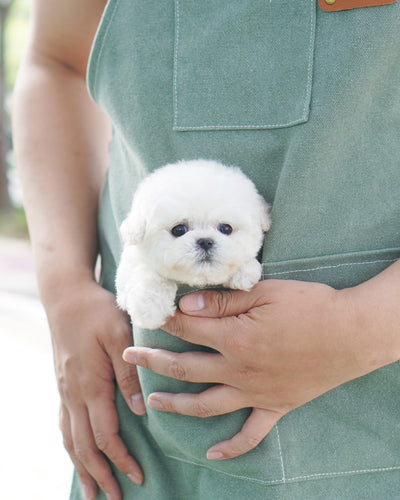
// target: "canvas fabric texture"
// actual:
[[307, 103]]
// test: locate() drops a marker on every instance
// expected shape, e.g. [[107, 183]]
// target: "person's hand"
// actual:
[[89, 335], [278, 347]]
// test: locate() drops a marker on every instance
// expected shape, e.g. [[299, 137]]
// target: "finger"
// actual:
[[208, 332], [224, 314], [126, 374], [104, 423], [88, 484], [217, 400], [89, 456], [221, 303], [254, 430], [199, 367], [128, 382]]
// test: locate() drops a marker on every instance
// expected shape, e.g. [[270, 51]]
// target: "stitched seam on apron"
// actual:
[[332, 266], [177, 20], [102, 48], [280, 453], [238, 126], [344, 473], [309, 269], [320, 475]]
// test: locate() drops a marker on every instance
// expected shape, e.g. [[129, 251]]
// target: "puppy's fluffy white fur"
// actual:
[[198, 223]]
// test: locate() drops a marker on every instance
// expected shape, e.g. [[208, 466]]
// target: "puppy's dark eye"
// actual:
[[179, 230], [225, 229]]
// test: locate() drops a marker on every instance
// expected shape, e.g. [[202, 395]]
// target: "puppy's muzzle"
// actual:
[[205, 244], [206, 247]]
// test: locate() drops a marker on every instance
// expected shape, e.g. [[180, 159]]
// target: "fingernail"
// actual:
[[88, 492], [136, 478], [214, 455], [129, 356], [155, 402], [192, 302], [137, 404]]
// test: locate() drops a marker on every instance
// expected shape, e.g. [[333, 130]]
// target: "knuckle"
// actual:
[[127, 377], [121, 333], [63, 388], [102, 441], [201, 410], [252, 441], [222, 299], [93, 392], [94, 389], [83, 454], [178, 329], [177, 371], [246, 373]]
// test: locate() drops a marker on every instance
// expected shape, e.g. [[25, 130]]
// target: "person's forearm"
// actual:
[[374, 318], [61, 149]]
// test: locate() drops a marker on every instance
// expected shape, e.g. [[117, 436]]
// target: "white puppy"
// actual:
[[198, 223]]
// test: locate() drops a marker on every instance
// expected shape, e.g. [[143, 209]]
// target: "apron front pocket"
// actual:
[[187, 439], [242, 64]]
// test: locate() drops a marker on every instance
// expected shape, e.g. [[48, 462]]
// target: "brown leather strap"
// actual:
[[335, 5]]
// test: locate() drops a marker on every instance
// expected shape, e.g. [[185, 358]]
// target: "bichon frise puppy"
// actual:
[[195, 222]]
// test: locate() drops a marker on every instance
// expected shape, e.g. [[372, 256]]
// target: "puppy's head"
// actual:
[[197, 222]]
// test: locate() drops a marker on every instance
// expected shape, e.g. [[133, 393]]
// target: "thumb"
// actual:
[[219, 303]]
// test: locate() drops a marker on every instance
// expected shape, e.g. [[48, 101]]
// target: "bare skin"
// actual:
[[61, 144], [279, 346]]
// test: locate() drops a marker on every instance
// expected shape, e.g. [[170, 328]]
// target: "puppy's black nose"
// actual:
[[205, 243]]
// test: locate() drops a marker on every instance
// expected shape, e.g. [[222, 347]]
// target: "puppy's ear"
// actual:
[[132, 230], [265, 214]]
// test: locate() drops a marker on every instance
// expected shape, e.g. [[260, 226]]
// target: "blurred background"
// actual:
[[33, 463]]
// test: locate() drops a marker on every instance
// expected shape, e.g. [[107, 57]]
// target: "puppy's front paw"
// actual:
[[246, 277], [151, 308]]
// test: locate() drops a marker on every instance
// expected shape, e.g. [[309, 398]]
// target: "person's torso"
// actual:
[[307, 103]]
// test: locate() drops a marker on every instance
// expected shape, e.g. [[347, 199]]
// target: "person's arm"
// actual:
[[61, 146], [61, 140], [278, 347]]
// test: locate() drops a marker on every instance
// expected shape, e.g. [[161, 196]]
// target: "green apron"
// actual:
[[307, 103]]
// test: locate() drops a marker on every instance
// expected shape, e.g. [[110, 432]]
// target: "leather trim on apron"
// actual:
[[335, 5]]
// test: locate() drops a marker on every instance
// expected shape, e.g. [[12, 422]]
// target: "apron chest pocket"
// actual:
[[242, 64]]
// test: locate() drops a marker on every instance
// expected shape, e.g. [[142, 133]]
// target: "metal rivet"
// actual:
[[330, 2]]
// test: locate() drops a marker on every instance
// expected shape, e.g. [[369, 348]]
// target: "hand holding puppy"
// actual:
[[264, 340], [278, 347]]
